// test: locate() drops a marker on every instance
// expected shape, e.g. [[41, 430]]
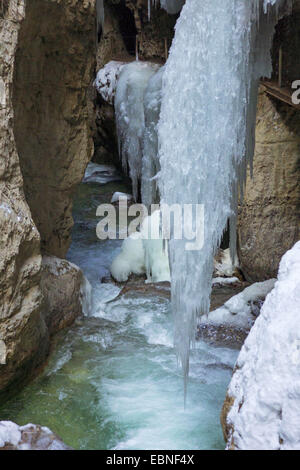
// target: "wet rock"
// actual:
[[61, 285]]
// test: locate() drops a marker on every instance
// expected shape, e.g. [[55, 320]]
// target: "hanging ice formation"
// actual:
[[171, 6], [150, 161], [100, 14], [206, 133], [129, 109]]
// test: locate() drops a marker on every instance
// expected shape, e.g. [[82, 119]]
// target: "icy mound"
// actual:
[[142, 255], [265, 387], [129, 109]]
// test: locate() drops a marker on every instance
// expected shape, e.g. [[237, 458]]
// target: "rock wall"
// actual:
[[23, 332], [269, 219], [54, 67], [47, 54]]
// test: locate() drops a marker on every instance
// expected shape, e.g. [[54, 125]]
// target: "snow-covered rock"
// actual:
[[28, 437], [240, 310], [262, 408], [106, 80]]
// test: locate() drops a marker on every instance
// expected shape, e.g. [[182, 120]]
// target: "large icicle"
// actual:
[[206, 133], [129, 109], [172, 6]]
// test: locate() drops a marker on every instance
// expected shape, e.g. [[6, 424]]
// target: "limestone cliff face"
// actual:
[[23, 333], [47, 51], [269, 219], [54, 66]]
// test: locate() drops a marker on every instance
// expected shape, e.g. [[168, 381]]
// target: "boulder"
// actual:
[[63, 288]]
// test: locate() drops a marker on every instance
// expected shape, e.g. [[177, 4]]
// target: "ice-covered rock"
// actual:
[[106, 80], [262, 409]]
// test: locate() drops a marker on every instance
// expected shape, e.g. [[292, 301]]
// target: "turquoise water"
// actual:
[[112, 380]]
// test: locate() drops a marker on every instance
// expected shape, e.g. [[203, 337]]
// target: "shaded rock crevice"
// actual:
[[54, 67]]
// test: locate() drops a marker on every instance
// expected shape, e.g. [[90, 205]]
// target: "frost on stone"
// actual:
[[206, 134], [265, 386]]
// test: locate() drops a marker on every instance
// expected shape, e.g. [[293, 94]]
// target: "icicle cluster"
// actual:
[[171, 6], [150, 162], [206, 133], [130, 118]]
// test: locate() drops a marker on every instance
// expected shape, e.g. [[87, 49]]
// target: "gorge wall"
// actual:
[[47, 55], [54, 66], [269, 218]]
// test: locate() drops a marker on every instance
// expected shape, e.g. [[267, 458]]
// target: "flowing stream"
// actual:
[[112, 380]]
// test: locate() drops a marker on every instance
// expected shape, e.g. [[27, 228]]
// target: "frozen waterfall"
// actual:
[[206, 134]]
